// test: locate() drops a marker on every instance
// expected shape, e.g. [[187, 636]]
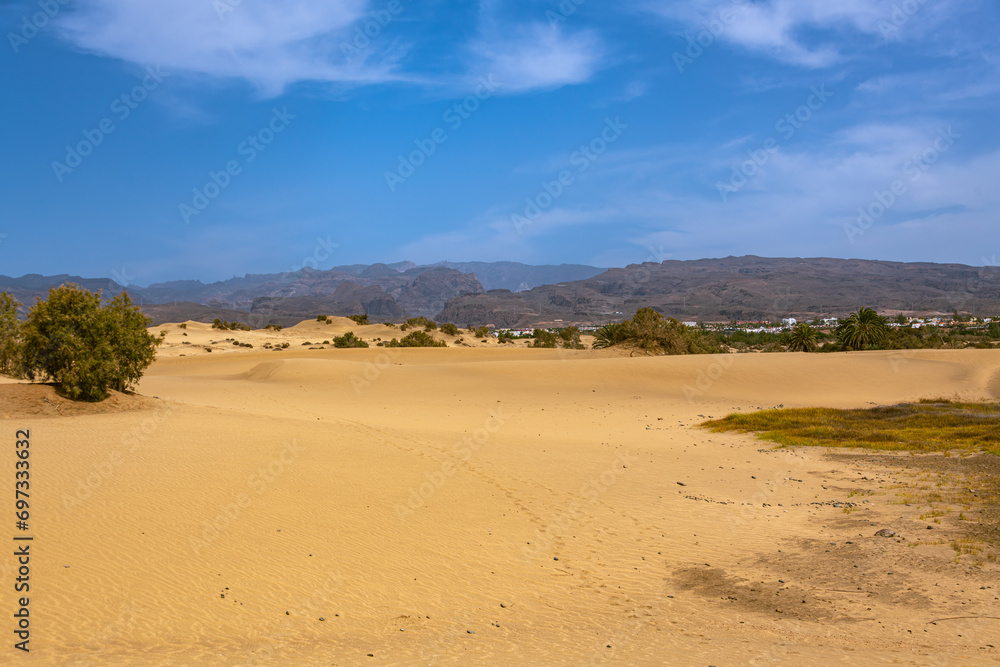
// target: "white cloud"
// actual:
[[272, 44], [538, 56], [775, 28]]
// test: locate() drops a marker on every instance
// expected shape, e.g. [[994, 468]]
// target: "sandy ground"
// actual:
[[486, 506], [196, 338]]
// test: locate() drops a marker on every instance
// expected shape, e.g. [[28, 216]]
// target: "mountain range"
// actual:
[[510, 294]]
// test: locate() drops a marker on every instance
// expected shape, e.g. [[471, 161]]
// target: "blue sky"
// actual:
[[151, 141]]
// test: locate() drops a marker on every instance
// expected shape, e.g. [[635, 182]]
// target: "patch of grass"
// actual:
[[927, 426]]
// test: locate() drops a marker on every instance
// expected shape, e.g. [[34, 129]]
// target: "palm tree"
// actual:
[[608, 335], [862, 329], [803, 338]]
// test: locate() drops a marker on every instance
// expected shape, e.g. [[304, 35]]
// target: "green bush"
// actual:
[[273, 327], [230, 326], [543, 338], [84, 347], [650, 331], [321, 318], [480, 332], [348, 340], [417, 339], [10, 334], [428, 325], [360, 319], [570, 338], [449, 328]]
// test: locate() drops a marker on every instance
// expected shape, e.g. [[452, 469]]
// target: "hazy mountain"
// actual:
[[742, 288], [731, 288], [517, 277]]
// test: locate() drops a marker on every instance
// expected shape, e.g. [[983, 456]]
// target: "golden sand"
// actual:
[[482, 506]]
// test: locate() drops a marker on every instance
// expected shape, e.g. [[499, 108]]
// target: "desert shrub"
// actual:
[[569, 338], [10, 334], [417, 339], [428, 325], [543, 338], [480, 332], [505, 337], [650, 331], [85, 347], [285, 346], [360, 319], [449, 328], [348, 340], [994, 330], [321, 318], [183, 325], [230, 326], [274, 327]]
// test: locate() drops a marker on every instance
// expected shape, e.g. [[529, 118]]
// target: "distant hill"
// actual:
[[731, 288], [518, 277], [742, 288]]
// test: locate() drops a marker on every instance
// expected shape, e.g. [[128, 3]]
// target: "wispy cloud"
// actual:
[[538, 56], [272, 44], [806, 33]]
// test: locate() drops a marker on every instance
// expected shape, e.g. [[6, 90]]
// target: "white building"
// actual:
[[789, 322]]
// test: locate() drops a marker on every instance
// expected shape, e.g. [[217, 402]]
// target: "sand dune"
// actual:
[[486, 506]]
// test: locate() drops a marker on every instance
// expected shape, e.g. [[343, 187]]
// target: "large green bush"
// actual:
[[10, 334], [348, 340], [85, 347], [543, 338], [417, 339]]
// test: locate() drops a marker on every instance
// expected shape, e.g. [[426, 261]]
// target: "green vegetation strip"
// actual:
[[928, 426]]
